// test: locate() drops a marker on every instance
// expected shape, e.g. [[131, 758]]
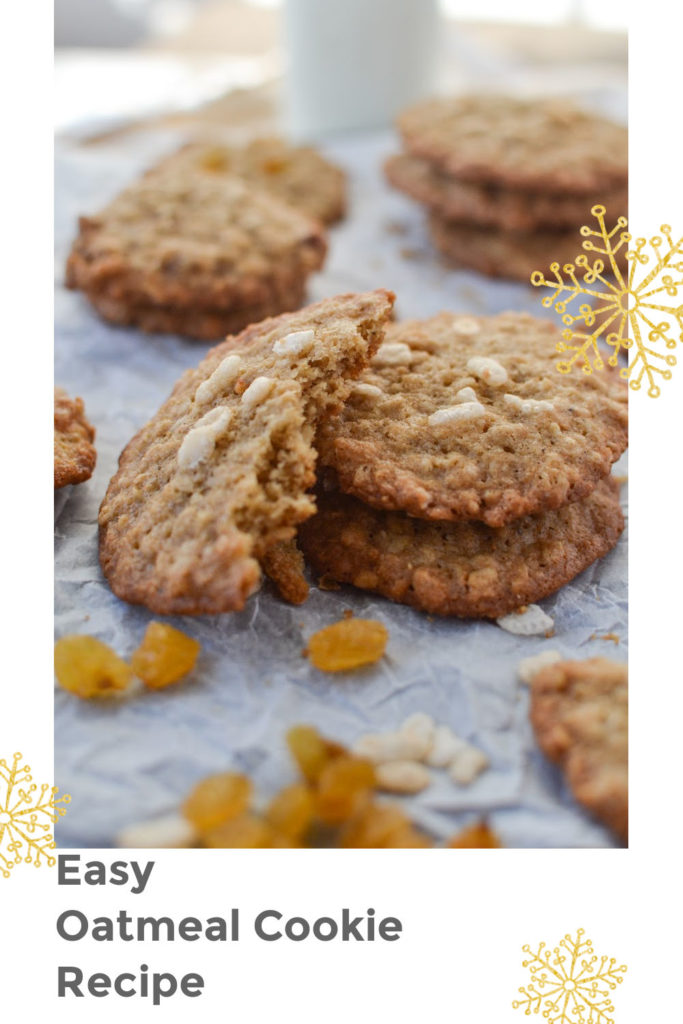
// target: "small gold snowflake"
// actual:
[[27, 813], [621, 303], [570, 985]]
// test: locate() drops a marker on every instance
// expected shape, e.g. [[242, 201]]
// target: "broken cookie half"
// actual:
[[219, 476]]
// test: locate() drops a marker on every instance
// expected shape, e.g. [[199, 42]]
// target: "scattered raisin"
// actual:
[[374, 827], [342, 787], [215, 159], [87, 667], [311, 751], [274, 165], [246, 831], [475, 837], [347, 644], [216, 800], [334, 807], [165, 656], [291, 811]]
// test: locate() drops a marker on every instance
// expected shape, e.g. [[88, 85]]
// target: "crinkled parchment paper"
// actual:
[[127, 761]]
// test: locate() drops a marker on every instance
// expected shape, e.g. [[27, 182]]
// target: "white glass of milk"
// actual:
[[354, 63]]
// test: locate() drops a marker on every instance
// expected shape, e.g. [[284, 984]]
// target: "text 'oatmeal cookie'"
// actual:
[[220, 475], [194, 254], [466, 417]]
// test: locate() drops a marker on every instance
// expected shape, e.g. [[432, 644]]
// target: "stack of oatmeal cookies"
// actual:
[[508, 183], [443, 463], [465, 476]]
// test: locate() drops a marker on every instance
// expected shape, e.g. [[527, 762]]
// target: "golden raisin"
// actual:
[[215, 159], [274, 165], [374, 827], [290, 812], [217, 799], [246, 831], [342, 786], [87, 667], [164, 656], [347, 644], [282, 842], [311, 751], [408, 839], [475, 837]]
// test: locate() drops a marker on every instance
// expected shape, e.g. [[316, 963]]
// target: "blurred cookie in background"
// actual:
[[194, 254], [508, 183], [298, 175]]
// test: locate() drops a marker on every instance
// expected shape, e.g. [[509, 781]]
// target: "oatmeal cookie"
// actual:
[[511, 254], [466, 417], [579, 711], [298, 175], [465, 569], [549, 145], [195, 254], [75, 453], [220, 474], [488, 205]]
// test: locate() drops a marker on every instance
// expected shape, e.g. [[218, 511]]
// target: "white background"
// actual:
[[465, 915]]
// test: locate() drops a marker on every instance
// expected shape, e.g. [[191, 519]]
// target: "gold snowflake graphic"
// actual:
[[570, 985], [27, 813], [626, 310]]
